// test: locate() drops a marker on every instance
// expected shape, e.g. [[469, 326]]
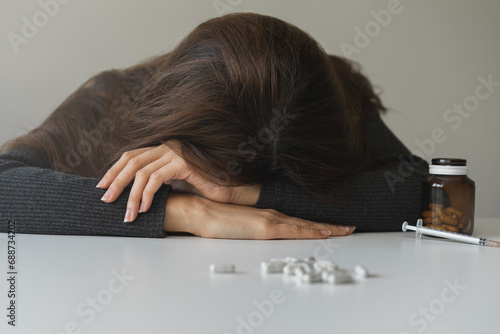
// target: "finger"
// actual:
[[336, 230], [141, 180], [129, 172], [172, 171], [111, 174], [287, 231]]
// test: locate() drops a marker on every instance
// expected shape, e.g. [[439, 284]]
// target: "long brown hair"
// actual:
[[249, 98]]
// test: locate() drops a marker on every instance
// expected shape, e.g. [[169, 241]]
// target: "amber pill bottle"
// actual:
[[448, 196]]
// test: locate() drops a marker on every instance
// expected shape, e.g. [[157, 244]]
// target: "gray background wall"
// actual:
[[428, 57]]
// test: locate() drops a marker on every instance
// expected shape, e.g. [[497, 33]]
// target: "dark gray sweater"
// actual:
[[44, 201]]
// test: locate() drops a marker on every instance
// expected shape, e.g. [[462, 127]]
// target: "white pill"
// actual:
[[325, 274], [361, 271], [308, 266], [289, 270], [325, 265], [273, 266], [311, 277], [302, 266], [222, 268], [290, 259], [339, 276], [280, 261], [299, 271]]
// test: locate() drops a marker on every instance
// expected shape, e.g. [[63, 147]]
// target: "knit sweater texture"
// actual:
[[44, 201]]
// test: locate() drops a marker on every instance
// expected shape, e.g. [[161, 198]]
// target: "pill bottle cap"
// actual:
[[448, 166]]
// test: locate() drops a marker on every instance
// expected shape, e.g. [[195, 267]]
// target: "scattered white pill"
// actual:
[[325, 265], [288, 270], [308, 270], [306, 266], [299, 271], [222, 268], [311, 277], [290, 259], [297, 267], [361, 271], [273, 266], [339, 277], [325, 274]]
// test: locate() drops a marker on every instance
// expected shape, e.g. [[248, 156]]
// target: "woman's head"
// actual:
[[250, 98]]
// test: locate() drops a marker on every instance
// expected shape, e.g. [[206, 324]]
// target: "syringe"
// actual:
[[419, 230]]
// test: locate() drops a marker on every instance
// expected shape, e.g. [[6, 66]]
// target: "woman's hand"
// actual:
[[209, 219], [151, 167]]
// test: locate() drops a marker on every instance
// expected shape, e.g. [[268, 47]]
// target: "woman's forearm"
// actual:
[[44, 201], [206, 218]]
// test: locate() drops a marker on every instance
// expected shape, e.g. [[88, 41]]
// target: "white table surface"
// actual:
[[171, 290]]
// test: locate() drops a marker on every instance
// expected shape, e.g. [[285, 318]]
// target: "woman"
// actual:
[[258, 131]]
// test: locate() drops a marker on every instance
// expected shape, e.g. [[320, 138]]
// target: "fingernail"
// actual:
[[349, 228], [326, 232], [141, 208], [101, 183], [106, 196], [127, 216]]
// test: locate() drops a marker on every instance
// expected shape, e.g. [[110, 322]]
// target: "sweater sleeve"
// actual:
[[379, 199], [44, 201]]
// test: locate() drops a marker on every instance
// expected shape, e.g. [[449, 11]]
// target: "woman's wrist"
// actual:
[[180, 211], [248, 195], [183, 211]]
